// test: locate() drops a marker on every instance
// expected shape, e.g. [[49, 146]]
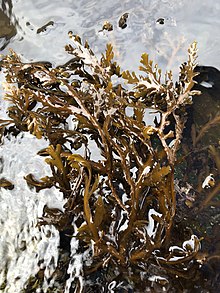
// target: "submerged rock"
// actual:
[[206, 107], [7, 29]]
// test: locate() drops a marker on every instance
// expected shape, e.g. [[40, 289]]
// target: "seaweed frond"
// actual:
[[124, 200]]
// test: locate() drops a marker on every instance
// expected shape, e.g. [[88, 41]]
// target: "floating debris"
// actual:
[[29, 25], [4, 183], [160, 20], [44, 27], [122, 23], [107, 26]]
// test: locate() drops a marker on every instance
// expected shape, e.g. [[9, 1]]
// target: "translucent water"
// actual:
[[164, 29], [24, 247], [166, 41]]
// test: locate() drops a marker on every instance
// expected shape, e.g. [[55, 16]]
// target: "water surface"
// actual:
[[164, 29], [166, 41]]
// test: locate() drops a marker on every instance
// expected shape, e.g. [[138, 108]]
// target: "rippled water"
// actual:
[[184, 22]]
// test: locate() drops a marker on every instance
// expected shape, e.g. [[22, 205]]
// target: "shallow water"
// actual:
[[20, 21], [166, 43]]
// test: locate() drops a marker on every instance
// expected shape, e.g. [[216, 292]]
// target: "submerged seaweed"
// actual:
[[121, 205]]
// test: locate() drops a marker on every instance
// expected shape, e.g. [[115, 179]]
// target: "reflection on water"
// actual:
[[39, 31], [166, 40], [24, 248]]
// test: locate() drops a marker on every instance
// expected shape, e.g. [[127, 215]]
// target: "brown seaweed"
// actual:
[[126, 201]]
